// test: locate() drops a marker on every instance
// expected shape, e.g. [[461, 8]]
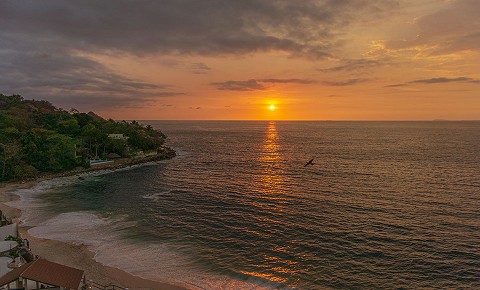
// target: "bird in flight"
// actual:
[[309, 163]]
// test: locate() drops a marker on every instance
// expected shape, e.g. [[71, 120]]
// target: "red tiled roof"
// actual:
[[47, 272], [13, 275]]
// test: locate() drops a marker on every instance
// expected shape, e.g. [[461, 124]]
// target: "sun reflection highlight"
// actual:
[[266, 276], [271, 180]]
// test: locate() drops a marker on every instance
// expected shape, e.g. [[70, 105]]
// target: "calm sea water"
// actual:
[[386, 205]]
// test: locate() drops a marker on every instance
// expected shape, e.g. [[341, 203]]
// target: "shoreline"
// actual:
[[78, 256], [117, 164]]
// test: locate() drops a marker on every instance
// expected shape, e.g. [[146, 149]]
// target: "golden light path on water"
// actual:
[[272, 180], [270, 186]]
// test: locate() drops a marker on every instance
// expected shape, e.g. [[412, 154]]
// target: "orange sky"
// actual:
[[314, 60]]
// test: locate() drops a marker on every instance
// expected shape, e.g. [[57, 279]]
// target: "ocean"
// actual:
[[386, 205]]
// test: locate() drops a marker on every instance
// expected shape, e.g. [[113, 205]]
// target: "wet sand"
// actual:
[[77, 256]]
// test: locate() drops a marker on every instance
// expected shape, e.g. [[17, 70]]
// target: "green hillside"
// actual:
[[36, 137]]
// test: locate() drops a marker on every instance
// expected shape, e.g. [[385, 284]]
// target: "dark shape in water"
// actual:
[[309, 162]]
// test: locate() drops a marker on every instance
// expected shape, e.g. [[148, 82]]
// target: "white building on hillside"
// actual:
[[117, 136]]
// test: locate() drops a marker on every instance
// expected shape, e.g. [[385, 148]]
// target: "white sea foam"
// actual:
[[157, 195], [158, 262], [103, 236], [33, 210]]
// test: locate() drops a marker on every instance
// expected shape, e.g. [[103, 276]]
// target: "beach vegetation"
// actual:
[[14, 238]]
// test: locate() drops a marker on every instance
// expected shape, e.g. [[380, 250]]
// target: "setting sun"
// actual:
[[272, 107]]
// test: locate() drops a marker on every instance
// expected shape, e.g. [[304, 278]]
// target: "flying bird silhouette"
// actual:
[[309, 163]]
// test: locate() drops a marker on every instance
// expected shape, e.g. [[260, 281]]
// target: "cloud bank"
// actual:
[[65, 79], [256, 85], [44, 43], [440, 80], [348, 82], [209, 27], [452, 29]]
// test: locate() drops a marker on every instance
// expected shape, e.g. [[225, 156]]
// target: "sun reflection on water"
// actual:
[[270, 196], [271, 180]]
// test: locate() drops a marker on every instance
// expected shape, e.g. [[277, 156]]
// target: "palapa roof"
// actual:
[[47, 272]]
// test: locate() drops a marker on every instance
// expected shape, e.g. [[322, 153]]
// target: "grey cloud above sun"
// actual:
[[253, 84], [348, 82], [141, 55], [354, 65]]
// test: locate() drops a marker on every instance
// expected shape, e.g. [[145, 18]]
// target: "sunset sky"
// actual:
[[233, 59]]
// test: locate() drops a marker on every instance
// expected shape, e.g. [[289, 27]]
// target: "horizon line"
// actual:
[[313, 120]]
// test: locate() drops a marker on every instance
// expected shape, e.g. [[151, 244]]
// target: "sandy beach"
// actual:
[[77, 256]]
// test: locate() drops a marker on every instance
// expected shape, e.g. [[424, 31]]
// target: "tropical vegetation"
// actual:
[[36, 137]]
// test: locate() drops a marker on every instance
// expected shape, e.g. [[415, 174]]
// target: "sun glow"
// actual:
[[272, 107]]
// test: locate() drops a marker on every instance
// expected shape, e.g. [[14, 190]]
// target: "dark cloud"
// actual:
[[88, 102], [451, 29], [396, 85], [286, 81], [256, 85], [354, 65], [67, 79], [445, 80], [195, 67], [209, 27], [248, 85], [345, 83], [438, 81], [199, 68]]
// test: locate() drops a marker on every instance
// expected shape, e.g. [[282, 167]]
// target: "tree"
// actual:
[[69, 127], [60, 153], [24, 170], [94, 137], [9, 152], [35, 147]]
